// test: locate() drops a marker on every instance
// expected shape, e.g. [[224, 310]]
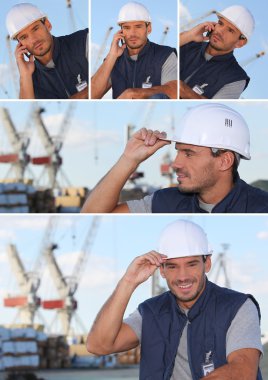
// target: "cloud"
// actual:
[[184, 13], [22, 222], [166, 22], [81, 136], [262, 235]]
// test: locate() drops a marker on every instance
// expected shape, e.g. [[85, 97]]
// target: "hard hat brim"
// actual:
[[13, 37], [217, 146]]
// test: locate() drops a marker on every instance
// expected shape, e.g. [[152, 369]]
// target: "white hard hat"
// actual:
[[240, 17], [20, 16], [215, 125], [182, 239], [133, 11]]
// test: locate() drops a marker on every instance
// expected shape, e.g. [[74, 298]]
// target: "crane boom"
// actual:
[[82, 259], [102, 48], [9, 126], [42, 130], [56, 273], [17, 268]]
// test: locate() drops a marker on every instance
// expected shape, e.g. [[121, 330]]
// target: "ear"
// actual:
[[149, 28], [208, 264], [48, 25], [226, 160], [240, 43], [162, 271]]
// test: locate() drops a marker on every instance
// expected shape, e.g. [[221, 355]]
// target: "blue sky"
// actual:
[[104, 15], [60, 18], [96, 136], [121, 238], [257, 70]]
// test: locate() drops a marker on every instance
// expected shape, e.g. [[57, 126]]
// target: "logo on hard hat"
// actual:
[[229, 123]]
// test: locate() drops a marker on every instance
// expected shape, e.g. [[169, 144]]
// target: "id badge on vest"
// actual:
[[81, 85], [199, 89], [147, 83], [208, 366]]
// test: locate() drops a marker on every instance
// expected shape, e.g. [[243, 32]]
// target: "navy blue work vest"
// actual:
[[69, 56], [209, 320], [131, 74], [216, 73], [243, 198]]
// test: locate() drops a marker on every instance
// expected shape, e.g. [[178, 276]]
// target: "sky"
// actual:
[[257, 70], [59, 16], [97, 135], [118, 240]]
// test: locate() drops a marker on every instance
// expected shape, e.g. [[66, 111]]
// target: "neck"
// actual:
[[212, 51], [217, 192]]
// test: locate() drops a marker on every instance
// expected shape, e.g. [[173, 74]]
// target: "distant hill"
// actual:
[[261, 184], [264, 362]]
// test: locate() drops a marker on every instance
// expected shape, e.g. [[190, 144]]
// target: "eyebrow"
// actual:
[[186, 150]]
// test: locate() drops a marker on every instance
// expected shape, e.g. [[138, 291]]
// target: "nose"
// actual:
[[220, 29], [178, 162], [182, 274]]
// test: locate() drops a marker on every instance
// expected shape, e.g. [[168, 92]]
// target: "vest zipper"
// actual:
[[62, 82], [134, 74]]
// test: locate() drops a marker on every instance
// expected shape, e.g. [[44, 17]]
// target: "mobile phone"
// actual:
[[208, 33], [121, 42], [27, 55]]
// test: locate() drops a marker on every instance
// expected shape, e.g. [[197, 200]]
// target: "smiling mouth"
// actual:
[[185, 286]]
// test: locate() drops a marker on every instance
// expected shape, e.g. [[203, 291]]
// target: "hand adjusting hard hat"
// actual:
[[182, 239], [215, 125], [133, 11], [20, 16], [240, 17]]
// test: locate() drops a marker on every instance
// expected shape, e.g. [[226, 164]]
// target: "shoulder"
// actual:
[[171, 199], [257, 198], [227, 296], [155, 304], [76, 36], [162, 48]]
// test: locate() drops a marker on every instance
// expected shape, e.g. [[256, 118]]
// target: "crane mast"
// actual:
[[27, 302]]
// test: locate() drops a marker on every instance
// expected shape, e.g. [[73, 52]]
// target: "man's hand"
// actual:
[[81, 94], [143, 267], [196, 33], [116, 50], [133, 93], [26, 68], [143, 144], [187, 93]]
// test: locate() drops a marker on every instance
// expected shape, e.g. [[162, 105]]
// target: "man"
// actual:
[[49, 67], [196, 330], [209, 69], [213, 139], [136, 68]]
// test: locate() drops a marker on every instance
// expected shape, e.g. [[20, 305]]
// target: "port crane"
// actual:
[[66, 286]]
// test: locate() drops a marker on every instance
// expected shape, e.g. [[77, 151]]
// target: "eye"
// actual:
[[170, 267], [188, 154]]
